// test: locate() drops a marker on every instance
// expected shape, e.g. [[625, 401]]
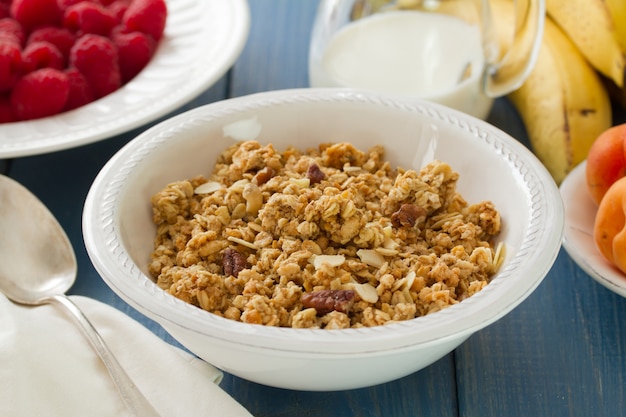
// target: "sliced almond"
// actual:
[[332, 260], [242, 242], [499, 256], [366, 292], [389, 243], [445, 219], [407, 295], [406, 282], [371, 257], [207, 187], [410, 279], [386, 251], [238, 186], [398, 284]]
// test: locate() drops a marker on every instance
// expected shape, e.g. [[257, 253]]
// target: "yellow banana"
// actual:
[[589, 25], [617, 10], [563, 103]]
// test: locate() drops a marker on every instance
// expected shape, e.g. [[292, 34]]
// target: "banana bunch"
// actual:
[[565, 103]]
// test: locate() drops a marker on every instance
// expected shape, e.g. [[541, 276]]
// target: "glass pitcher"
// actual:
[[446, 51]]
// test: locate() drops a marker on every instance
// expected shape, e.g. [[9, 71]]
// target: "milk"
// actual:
[[425, 55]]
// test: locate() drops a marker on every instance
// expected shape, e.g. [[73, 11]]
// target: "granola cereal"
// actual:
[[331, 238]]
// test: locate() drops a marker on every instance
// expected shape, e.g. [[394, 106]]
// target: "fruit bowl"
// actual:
[[119, 233], [202, 40]]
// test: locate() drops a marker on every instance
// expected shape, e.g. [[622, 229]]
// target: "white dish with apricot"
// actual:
[[578, 241]]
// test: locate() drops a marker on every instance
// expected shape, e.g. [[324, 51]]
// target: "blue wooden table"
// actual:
[[560, 353]]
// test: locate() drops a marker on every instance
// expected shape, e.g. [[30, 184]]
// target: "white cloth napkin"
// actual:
[[48, 368]]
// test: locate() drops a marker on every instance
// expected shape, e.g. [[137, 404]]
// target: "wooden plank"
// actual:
[[276, 54], [560, 353], [429, 392], [4, 166]]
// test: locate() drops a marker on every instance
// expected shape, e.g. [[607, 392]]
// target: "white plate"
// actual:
[[202, 40], [580, 212]]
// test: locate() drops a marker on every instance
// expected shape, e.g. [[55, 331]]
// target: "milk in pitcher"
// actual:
[[430, 56]]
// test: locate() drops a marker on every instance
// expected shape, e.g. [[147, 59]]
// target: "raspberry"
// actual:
[[64, 4], [135, 50], [147, 16], [10, 65], [96, 58], [11, 30], [6, 110], [62, 38], [86, 17], [4, 10], [33, 13], [40, 93], [77, 50], [80, 93], [118, 8], [42, 54]]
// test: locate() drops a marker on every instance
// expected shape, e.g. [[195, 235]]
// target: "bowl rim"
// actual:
[[540, 247]]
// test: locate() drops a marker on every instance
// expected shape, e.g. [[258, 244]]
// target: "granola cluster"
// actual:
[[329, 238]]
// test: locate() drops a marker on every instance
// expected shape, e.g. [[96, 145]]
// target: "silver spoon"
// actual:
[[38, 265]]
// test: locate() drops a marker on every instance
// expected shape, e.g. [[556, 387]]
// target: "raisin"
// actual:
[[234, 262], [325, 301], [315, 174], [408, 215]]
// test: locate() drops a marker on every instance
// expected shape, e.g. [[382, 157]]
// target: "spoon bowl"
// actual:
[[36, 256], [38, 265]]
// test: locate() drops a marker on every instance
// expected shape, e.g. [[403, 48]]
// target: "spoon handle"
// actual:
[[133, 398]]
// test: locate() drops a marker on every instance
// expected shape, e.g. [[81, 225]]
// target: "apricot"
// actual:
[[609, 230], [606, 161]]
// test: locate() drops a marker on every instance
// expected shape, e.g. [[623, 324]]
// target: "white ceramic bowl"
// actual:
[[119, 232]]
